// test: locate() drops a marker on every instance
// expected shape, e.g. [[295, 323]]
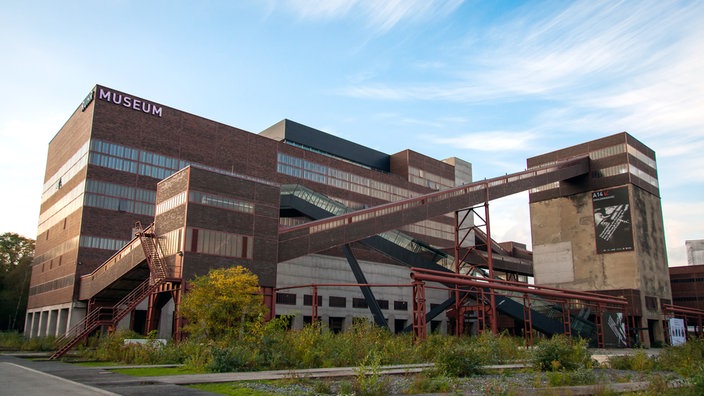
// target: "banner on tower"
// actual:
[[612, 220]]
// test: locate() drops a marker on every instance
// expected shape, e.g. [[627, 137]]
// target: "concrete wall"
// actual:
[[565, 254], [328, 269]]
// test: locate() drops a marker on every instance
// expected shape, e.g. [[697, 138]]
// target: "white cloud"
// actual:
[[488, 140], [380, 15]]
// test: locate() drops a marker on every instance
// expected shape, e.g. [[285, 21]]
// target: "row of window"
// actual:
[[687, 280], [617, 169], [297, 167], [68, 170], [57, 212], [425, 178], [337, 302], [57, 251], [200, 240], [94, 242], [59, 283], [118, 204], [149, 164], [171, 203], [220, 202]]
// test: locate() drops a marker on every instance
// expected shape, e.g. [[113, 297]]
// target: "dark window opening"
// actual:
[[359, 303], [336, 324], [401, 305], [286, 298], [337, 302], [308, 300]]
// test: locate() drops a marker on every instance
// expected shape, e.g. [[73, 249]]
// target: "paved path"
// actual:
[[48, 378]]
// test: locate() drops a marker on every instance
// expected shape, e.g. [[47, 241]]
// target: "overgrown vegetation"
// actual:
[[227, 333]]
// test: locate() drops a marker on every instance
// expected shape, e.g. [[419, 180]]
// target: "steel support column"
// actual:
[[419, 323], [366, 290]]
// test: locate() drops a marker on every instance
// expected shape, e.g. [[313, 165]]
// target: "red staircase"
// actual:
[[110, 316]]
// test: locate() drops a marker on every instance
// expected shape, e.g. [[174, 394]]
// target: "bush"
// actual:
[[682, 359], [459, 361], [369, 381], [639, 361], [232, 359], [561, 353], [423, 383], [12, 341]]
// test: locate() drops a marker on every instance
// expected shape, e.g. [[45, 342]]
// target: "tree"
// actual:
[[224, 304], [16, 254]]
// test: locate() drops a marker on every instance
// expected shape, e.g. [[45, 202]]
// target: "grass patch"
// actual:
[[229, 388], [156, 371]]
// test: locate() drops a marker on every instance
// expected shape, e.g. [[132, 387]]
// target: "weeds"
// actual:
[[561, 353]]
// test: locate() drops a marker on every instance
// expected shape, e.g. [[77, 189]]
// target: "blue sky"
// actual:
[[492, 82]]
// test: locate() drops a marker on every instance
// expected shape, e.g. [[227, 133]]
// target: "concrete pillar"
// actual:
[[166, 321], [62, 327]]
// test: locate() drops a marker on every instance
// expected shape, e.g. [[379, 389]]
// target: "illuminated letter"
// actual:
[[104, 95]]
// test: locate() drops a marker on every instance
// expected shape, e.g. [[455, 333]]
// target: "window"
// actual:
[[219, 243], [308, 300], [359, 303], [336, 324], [383, 304], [286, 298], [337, 302], [401, 305]]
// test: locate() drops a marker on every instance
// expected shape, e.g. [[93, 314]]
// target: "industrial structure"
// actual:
[[140, 197]]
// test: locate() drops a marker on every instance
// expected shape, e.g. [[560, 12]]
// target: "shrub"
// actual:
[[639, 361], [459, 361], [231, 359], [561, 353], [369, 380], [682, 359], [423, 383], [12, 341]]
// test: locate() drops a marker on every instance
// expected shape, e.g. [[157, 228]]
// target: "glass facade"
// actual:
[[221, 202], [200, 240], [120, 198]]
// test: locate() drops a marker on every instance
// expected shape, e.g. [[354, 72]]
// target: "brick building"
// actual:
[[102, 172]]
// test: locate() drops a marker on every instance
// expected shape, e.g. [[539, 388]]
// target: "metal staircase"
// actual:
[[111, 315]]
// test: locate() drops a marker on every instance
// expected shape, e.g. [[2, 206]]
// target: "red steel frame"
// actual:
[[565, 297]]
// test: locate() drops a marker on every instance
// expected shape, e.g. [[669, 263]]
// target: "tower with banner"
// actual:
[[604, 231]]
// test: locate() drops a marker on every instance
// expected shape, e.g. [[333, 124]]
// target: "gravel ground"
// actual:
[[511, 383]]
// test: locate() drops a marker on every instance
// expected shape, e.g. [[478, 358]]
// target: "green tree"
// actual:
[[225, 304], [16, 254]]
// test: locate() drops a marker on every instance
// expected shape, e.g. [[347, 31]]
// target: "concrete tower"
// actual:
[[604, 231]]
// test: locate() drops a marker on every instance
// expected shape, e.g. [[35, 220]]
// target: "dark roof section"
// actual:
[[302, 135]]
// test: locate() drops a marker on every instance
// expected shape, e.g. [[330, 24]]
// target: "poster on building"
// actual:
[[612, 220], [678, 334], [614, 330]]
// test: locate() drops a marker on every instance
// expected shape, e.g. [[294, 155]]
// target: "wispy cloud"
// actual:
[[381, 16], [489, 141]]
